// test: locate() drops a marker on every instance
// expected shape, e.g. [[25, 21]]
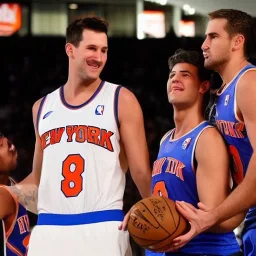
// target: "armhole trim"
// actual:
[[116, 98]]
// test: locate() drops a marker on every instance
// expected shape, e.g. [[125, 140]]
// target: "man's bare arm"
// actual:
[[26, 195], [27, 190], [134, 141], [213, 177]]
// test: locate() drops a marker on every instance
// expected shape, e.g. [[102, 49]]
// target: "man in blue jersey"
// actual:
[[230, 41], [14, 227], [186, 168]]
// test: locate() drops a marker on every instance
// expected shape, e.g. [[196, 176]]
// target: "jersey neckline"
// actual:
[[224, 87], [173, 131], [64, 102]]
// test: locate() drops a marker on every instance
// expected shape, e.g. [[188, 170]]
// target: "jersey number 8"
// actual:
[[72, 169]]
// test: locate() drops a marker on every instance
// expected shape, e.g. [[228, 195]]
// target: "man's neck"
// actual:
[[231, 69], [75, 86], [185, 121], [78, 93]]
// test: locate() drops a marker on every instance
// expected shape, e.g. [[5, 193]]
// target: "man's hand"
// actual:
[[199, 219], [123, 225]]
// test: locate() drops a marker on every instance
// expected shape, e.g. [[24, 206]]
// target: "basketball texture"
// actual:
[[154, 222]]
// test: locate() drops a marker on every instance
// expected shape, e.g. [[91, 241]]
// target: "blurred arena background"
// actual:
[[142, 35]]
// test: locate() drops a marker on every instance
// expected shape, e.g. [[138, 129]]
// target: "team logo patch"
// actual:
[[186, 143], [47, 114], [99, 110], [226, 100]]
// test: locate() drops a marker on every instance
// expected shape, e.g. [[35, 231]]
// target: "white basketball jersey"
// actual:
[[81, 170]]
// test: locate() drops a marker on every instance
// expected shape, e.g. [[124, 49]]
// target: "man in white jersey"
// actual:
[[87, 134]]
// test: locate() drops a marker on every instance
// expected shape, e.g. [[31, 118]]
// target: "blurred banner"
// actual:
[[151, 24], [10, 18]]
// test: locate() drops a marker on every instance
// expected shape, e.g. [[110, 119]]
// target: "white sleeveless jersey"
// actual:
[[81, 170]]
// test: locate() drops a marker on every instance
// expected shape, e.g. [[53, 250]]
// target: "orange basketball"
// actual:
[[154, 222]]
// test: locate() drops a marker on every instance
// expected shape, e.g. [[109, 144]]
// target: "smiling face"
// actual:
[[90, 56], [183, 85], [8, 156]]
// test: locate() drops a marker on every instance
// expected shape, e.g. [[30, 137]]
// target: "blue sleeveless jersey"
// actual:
[[17, 237], [234, 133], [174, 177]]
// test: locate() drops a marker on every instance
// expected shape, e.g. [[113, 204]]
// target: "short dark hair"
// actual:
[[238, 22], [191, 57], [74, 32]]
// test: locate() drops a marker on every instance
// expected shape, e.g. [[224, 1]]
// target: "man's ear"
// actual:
[[69, 49], [204, 87], [238, 42]]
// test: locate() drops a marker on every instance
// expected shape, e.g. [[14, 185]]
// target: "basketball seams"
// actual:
[[140, 214], [156, 219], [160, 216], [170, 234], [179, 218], [172, 214]]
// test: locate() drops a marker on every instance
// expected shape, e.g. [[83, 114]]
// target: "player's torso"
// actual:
[[81, 170], [17, 237], [174, 171], [174, 175], [232, 129], [235, 134]]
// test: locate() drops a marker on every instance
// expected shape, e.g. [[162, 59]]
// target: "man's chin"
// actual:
[[93, 77], [208, 64]]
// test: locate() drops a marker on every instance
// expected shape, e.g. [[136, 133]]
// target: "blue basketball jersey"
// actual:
[[17, 236], [174, 176], [234, 133]]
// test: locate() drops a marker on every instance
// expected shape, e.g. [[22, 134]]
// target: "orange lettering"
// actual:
[[158, 165], [175, 167], [55, 135], [232, 132], [70, 130], [239, 129], [231, 129], [45, 142], [93, 135], [105, 140], [81, 133]]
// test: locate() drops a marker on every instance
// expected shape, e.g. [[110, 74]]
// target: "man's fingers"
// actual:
[[180, 241], [203, 207], [123, 225], [185, 209]]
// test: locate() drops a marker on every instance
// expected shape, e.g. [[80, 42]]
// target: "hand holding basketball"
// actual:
[[154, 222]]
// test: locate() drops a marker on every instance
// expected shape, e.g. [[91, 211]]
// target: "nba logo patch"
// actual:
[[226, 100], [99, 110], [186, 143]]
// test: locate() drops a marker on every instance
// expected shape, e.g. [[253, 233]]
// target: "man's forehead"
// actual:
[[184, 67], [94, 37], [216, 25]]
